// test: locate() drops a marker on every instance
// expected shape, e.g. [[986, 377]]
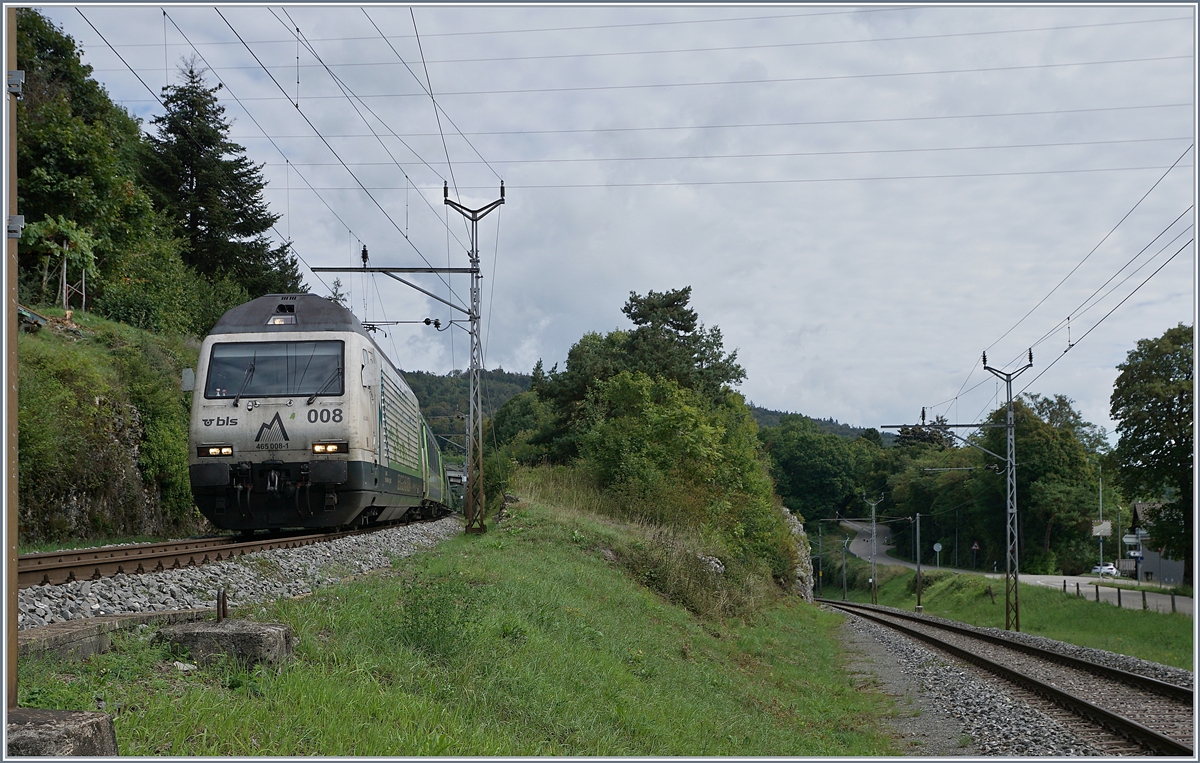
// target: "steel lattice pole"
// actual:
[[1012, 606], [474, 504]]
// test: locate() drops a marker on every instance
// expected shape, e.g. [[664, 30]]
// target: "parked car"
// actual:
[[1108, 568]]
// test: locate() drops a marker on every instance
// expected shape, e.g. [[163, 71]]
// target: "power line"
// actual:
[[741, 125], [677, 183], [1077, 311], [1094, 248], [437, 106], [350, 95], [327, 144], [267, 135], [788, 154], [581, 28], [717, 49], [1068, 275], [1110, 312], [762, 81], [1081, 309], [433, 100]]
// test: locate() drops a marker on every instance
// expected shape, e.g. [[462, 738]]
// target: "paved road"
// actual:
[[860, 546]]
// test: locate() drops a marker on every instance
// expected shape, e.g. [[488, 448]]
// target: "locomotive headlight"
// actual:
[[329, 447], [214, 450]]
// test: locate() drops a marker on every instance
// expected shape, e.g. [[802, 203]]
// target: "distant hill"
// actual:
[[444, 397], [769, 418]]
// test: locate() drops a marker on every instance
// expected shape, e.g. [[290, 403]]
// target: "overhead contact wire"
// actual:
[[1110, 312], [323, 140], [267, 135]]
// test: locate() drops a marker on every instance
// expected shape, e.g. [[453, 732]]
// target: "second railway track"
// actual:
[[1157, 716]]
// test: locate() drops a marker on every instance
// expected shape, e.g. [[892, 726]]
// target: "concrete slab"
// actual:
[[33, 731], [85, 637], [247, 642]]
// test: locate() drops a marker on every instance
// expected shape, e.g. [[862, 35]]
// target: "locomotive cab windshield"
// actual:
[[275, 369]]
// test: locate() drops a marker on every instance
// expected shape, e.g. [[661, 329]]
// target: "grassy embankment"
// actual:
[[1162, 638], [534, 639]]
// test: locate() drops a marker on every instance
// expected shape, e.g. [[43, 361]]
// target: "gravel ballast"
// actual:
[[253, 578], [993, 723]]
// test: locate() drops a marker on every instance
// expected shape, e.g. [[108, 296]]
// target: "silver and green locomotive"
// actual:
[[299, 420]]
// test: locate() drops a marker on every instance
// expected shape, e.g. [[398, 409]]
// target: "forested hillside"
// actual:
[[444, 399], [769, 418]]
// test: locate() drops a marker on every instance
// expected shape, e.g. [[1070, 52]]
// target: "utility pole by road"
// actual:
[[874, 552], [1012, 608], [845, 542]]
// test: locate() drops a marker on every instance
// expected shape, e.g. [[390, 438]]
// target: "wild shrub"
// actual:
[[687, 572], [102, 433], [671, 458], [437, 616]]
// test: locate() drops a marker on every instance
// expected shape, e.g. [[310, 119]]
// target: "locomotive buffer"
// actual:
[[474, 499]]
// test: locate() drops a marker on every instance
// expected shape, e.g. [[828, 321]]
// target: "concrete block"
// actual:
[[247, 642], [54, 733], [88, 636]]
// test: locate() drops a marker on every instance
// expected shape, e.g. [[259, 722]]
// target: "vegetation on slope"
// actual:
[[103, 430], [648, 414]]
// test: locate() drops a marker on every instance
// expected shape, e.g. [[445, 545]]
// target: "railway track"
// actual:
[[58, 567], [1156, 716]]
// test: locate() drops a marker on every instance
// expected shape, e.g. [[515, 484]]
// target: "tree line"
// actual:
[[959, 489], [170, 226]]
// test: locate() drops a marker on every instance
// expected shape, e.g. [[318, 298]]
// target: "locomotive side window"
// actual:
[[275, 369]]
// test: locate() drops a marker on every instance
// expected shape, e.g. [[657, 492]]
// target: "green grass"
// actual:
[[533, 639], [69, 544], [1162, 638]]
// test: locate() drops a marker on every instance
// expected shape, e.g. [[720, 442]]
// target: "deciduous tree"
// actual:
[[1153, 403]]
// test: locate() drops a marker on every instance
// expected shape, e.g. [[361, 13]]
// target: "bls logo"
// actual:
[[222, 421]]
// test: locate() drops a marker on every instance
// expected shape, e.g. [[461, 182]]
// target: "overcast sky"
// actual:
[[862, 198]]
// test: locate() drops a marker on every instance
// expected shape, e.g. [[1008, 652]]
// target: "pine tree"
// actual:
[[214, 192]]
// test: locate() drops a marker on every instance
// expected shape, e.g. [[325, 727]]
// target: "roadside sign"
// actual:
[[1102, 529], [975, 546], [1129, 539], [937, 546]]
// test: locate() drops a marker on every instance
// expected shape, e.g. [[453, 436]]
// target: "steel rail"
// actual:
[[1130, 729], [58, 567], [1173, 691]]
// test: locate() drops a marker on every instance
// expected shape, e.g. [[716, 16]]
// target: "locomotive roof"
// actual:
[[310, 312]]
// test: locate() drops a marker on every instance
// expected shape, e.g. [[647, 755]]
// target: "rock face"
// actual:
[[55, 733], [246, 642], [804, 568]]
